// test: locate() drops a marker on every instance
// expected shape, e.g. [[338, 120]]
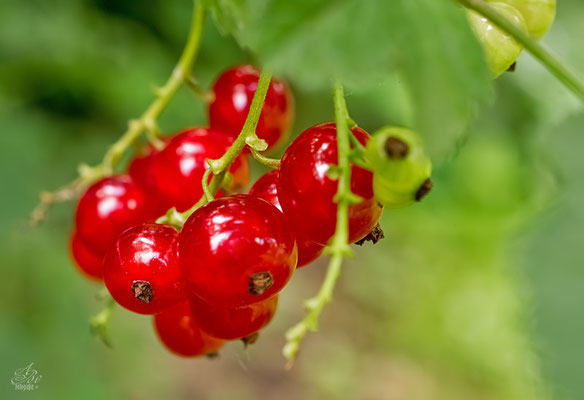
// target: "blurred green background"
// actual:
[[476, 293]]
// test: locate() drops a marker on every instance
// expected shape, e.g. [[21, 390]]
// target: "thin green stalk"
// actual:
[[147, 122], [270, 162], [219, 167], [338, 247], [540, 52]]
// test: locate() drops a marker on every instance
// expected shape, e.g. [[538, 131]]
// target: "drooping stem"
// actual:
[[338, 247], [540, 52], [180, 74], [219, 167], [146, 122]]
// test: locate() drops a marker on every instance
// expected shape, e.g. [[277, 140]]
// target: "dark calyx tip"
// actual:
[[260, 282], [374, 236], [142, 291], [212, 355], [424, 189], [251, 339], [513, 67], [396, 148]]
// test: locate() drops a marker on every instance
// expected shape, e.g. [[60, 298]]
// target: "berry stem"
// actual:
[[338, 247], [270, 162], [219, 167], [540, 52], [146, 123]]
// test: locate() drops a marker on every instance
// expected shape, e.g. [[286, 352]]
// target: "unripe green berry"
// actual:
[[501, 50], [401, 168], [538, 14]]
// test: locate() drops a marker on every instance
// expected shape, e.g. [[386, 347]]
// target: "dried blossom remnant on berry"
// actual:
[[142, 291], [260, 282], [396, 148], [374, 236], [424, 189], [251, 339]]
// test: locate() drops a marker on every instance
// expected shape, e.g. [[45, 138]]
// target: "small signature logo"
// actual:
[[26, 378]]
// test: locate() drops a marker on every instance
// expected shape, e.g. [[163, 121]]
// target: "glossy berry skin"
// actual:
[[266, 187], [233, 323], [501, 50], [306, 192], [141, 270], [234, 91], [179, 167], [178, 330], [141, 169], [236, 251], [109, 207], [89, 262]]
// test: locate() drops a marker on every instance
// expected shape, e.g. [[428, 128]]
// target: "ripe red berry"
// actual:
[[107, 208], [89, 262], [179, 167], [178, 330], [141, 169], [266, 187], [141, 270], [234, 91], [236, 251], [233, 323], [306, 192]]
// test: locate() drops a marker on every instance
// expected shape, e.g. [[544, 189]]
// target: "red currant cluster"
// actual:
[[219, 277]]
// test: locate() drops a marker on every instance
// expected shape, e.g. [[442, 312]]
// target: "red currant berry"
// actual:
[[89, 262], [178, 330], [141, 169], [306, 192], [109, 207], [141, 270], [179, 167], [234, 91], [236, 251], [267, 188], [233, 323]]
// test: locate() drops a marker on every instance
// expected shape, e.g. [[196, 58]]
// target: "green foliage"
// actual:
[[427, 42], [444, 308]]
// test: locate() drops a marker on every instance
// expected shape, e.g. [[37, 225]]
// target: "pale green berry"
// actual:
[[501, 50], [401, 168], [538, 14]]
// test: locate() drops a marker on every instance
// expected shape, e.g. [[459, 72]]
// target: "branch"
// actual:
[[147, 122], [338, 247]]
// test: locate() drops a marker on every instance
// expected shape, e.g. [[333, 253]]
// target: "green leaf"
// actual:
[[363, 42], [555, 266]]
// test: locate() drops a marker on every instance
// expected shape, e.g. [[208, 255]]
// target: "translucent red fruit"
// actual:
[[89, 262], [306, 192], [266, 187], [107, 208], [179, 167], [141, 270], [178, 330], [233, 323], [234, 91], [236, 251], [141, 169]]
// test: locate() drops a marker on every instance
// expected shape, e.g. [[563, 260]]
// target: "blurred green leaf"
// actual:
[[555, 265], [364, 42]]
